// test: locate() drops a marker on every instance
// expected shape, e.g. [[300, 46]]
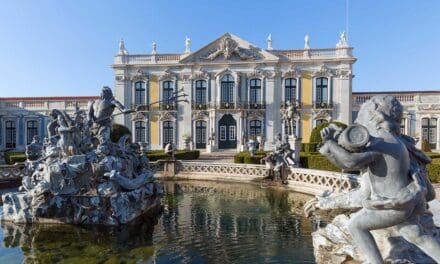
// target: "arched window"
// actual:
[[320, 121], [429, 131], [227, 89], [167, 132], [139, 93], [31, 130], [290, 90], [255, 91], [167, 91], [140, 134], [321, 90], [200, 92], [254, 128], [10, 134]]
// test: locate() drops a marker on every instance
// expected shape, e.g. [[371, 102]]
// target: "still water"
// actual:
[[202, 222]]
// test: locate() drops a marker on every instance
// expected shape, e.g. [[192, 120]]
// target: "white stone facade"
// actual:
[[421, 113], [244, 90]]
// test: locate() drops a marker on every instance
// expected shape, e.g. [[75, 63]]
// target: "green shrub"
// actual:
[[315, 136], [14, 157], [118, 131], [155, 155], [434, 170], [239, 158], [425, 146], [245, 157]]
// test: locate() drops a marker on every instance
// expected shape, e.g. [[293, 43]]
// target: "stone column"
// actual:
[[184, 115], [272, 114], [345, 102]]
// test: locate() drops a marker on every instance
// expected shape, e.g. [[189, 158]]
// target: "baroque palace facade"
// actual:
[[236, 91]]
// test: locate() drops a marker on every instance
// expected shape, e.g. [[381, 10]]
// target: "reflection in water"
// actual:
[[202, 222]]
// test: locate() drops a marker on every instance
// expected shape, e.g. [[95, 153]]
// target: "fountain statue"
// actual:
[[79, 176], [391, 222]]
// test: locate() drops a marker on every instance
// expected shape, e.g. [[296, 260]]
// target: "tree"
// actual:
[[118, 131]]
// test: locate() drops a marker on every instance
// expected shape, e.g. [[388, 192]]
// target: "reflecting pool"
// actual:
[[202, 222]]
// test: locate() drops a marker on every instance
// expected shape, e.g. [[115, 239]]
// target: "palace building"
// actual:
[[235, 90]]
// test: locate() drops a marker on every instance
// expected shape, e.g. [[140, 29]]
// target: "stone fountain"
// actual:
[[79, 176]]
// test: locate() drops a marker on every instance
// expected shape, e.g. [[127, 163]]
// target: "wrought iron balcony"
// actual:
[[227, 105], [168, 107], [322, 105], [256, 105], [198, 106]]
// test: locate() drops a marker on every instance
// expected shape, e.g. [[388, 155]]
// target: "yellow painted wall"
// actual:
[[306, 99], [154, 127], [154, 89], [154, 120]]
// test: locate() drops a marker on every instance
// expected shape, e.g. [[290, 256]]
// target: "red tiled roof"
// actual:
[[49, 98], [396, 92]]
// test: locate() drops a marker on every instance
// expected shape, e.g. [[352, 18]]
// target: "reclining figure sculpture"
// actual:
[[393, 193], [79, 176]]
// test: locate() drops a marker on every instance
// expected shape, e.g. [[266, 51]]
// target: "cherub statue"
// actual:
[[394, 186]]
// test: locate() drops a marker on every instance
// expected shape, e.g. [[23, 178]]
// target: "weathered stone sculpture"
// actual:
[[391, 202], [81, 177]]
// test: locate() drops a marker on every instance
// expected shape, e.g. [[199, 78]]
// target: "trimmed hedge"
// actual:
[[434, 170], [118, 131], [155, 155], [315, 136], [14, 157], [317, 162], [245, 157]]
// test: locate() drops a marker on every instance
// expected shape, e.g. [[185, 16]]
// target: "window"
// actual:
[[139, 93], [11, 134], [227, 89], [402, 126], [290, 90], [201, 92], [254, 128], [167, 88], [429, 131], [286, 128], [140, 131], [320, 121], [232, 133], [222, 133], [168, 132], [31, 130], [255, 91], [321, 90]]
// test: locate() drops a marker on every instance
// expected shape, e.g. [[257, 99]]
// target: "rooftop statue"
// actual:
[[393, 193], [79, 176]]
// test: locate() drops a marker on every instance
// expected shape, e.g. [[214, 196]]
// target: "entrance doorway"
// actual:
[[200, 134], [227, 132]]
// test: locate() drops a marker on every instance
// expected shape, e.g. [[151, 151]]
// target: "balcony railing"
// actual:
[[226, 105], [322, 105], [251, 105], [168, 107], [199, 106], [296, 103]]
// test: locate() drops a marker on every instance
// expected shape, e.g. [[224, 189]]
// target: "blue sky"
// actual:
[[54, 48]]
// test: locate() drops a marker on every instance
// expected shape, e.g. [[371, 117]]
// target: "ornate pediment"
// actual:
[[139, 75], [293, 72], [139, 116], [323, 114], [167, 116], [200, 115], [323, 71], [229, 48], [428, 107], [199, 74], [167, 75]]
